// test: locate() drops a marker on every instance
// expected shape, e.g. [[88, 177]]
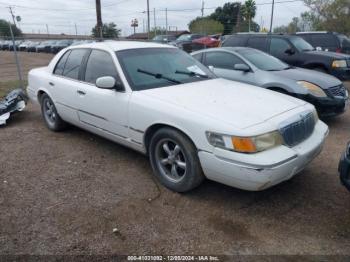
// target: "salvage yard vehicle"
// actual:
[[59, 45], [255, 67], [160, 101], [344, 167], [295, 51]]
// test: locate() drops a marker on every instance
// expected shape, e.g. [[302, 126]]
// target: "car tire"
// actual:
[[51, 118], [174, 160]]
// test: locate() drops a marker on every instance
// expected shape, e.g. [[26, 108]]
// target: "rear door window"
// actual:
[[100, 64], [222, 60], [61, 63], [73, 63], [258, 43]]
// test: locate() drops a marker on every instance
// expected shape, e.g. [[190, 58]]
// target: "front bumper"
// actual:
[[260, 171], [344, 168], [327, 106], [341, 73]]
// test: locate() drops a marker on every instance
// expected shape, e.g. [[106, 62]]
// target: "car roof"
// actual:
[[122, 45]]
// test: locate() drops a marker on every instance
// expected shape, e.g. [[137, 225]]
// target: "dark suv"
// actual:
[[295, 51], [327, 41]]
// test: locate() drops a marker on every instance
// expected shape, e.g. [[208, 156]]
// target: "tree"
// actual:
[[204, 25], [5, 29], [108, 31], [228, 15], [330, 15], [291, 28], [249, 11]]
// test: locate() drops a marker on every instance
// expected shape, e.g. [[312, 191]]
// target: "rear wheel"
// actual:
[[52, 120], [174, 160]]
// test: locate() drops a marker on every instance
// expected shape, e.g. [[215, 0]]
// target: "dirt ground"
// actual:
[[64, 193]]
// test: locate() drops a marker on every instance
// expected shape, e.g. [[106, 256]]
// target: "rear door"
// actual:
[[104, 109], [224, 62], [65, 82]]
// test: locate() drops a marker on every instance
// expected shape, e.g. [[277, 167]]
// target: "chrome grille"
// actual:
[[337, 91], [298, 131]]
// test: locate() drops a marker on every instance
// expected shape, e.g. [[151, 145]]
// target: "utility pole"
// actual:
[[143, 25], [155, 26], [202, 10], [15, 50], [76, 29], [47, 30], [99, 19], [273, 6], [166, 21], [148, 21]]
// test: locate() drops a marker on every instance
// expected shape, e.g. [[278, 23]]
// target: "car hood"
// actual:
[[330, 55], [230, 102], [323, 80]]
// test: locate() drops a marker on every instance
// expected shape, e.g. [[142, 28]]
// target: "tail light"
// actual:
[[338, 50]]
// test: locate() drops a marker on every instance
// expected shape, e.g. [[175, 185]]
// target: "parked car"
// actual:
[[255, 67], [45, 46], [164, 39], [23, 46], [32, 46], [208, 41], [59, 45], [160, 101], [185, 42], [17, 43], [5, 45], [295, 51], [327, 41], [80, 42], [344, 167]]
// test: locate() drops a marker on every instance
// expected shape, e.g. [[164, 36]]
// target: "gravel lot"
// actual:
[[63, 193]]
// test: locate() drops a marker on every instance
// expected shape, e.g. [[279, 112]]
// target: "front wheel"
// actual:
[[174, 160], [52, 120]]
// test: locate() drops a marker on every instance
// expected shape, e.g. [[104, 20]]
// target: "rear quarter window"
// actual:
[[325, 41], [61, 63], [234, 41]]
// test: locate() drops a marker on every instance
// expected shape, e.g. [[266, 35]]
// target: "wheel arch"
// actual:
[[151, 130]]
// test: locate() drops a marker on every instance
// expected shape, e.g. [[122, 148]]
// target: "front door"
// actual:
[[104, 109]]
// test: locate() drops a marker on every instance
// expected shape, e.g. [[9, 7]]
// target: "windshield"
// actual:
[[184, 38], [148, 68], [262, 60], [301, 44]]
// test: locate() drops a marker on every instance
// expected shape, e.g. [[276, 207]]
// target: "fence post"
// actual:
[[16, 58]]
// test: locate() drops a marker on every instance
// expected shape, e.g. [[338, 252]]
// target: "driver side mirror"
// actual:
[[289, 51], [241, 67], [109, 82]]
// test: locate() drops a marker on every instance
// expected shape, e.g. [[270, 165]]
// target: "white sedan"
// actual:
[[160, 101]]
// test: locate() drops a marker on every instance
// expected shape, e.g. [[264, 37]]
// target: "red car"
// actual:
[[208, 41]]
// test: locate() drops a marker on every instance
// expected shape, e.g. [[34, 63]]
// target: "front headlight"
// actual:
[[313, 89], [339, 64], [252, 144]]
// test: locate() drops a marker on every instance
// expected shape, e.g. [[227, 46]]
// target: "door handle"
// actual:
[[81, 92], [51, 84]]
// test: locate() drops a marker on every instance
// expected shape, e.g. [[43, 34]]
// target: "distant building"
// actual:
[[54, 36], [144, 36]]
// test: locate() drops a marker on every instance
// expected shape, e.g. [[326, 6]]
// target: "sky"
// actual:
[[62, 16]]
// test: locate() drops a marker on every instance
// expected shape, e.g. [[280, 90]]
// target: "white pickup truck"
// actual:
[[160, 101]]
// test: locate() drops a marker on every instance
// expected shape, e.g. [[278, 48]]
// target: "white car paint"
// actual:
[[215, 105]]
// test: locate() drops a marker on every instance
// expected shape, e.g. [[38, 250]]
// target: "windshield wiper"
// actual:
[[158, 76], [190, 73]]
